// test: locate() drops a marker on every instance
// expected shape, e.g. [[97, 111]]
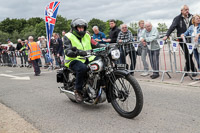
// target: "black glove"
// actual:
[[71, 52], [82, 53], [74, 49]]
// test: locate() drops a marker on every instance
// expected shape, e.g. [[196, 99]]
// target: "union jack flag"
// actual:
[[51, 11]]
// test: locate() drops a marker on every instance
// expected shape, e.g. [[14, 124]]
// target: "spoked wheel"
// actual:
[[126, 96]]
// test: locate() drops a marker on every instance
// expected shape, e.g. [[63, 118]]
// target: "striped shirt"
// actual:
[[126, 38]]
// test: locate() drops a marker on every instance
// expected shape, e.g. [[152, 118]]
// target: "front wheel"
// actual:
[[126, 96]]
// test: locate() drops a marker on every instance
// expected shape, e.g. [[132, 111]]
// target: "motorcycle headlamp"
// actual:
[[115, 54]]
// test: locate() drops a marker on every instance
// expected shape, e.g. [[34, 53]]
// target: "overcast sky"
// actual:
[[125, 10]]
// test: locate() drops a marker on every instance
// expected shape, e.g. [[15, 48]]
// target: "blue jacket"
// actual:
[[99, 36], [190, 30]]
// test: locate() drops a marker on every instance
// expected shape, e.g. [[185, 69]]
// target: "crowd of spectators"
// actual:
[[186, 25]]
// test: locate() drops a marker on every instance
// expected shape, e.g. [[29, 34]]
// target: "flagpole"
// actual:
[[50, 19]]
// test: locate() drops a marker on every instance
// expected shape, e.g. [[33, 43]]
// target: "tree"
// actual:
[[3, 37], [61, 24], [14, 36], [28, 31], [134, 26], [19, 24], [34, 21], [162, 27], [9, 25], [119, 22], [96, 22], [40, 29], [107, 30]]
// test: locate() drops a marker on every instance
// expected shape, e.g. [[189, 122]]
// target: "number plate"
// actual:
[[121, 66]]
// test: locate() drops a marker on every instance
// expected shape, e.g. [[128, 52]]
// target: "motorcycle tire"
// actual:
[[122, 95]]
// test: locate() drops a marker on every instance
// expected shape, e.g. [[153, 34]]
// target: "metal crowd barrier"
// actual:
[[13, 58], [183, 50], [164, 60], [19, 59], [168, 50]]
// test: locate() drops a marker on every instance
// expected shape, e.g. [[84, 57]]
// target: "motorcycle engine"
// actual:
[[102, 97]]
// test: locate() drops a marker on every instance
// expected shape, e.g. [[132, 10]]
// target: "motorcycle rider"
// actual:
[[77, 42]]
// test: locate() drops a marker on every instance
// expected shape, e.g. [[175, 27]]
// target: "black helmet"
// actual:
[[79, 22]]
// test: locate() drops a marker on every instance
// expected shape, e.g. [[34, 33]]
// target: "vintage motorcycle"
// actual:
[[106, 79]]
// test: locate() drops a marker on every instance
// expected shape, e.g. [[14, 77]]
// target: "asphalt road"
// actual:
[[167, 108]]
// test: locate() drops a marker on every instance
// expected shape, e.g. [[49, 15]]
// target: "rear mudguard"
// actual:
[[123, 73]]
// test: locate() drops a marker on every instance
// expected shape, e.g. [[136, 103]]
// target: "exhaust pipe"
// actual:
[[70, 94]]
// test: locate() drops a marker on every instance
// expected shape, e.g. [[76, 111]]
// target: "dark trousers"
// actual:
[[40, 63], [189, 64], [21, 57], [132, 55], [81, 71], [154, 60], [57, 59], [0, 59], [36, 66], [5, 58], [25, 59], [43, 53], [197, 57]]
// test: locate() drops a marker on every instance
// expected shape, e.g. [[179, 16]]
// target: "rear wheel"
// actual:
[[126, 96]]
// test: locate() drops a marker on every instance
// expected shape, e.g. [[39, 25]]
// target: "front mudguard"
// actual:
[[122, 73]]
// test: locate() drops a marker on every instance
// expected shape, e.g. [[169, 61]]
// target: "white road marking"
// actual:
[[8, 71], [31, 73], [15, 77], [194, 83]]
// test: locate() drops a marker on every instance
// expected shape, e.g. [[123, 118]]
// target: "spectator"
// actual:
[[5, 55], [39, 43], [57, 49], [63, 37], [24, 53], [194, 30], [98, 36], [113, 34], [29, 62], [9, 42], [125, 37], [34, 55], [18, 47], [43, 47], [181, 24], [11, 54], [144, 49], [1, 49], [149, 37]]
